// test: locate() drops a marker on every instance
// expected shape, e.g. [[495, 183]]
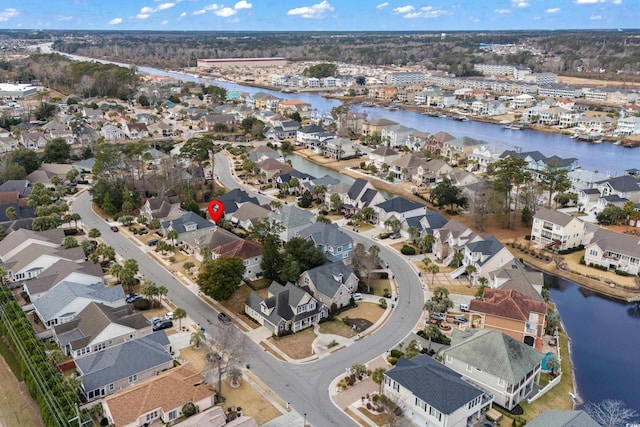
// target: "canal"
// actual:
[[605, 342]]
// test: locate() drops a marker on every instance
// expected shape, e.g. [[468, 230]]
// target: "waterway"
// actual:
[[605, 341]]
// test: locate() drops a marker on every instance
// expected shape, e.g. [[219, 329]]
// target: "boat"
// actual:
[[574, 136], [617, 143]]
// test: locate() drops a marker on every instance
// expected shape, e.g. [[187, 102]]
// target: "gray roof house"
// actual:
[[63, 303], [497, 363], [615, 251], [559, 418], [287, 309], [235, 198], [433, 394], [360, 195], [293, 219], [400, 208], [336, 244], [99, 326], [117, 367], [331, 283], [485, 255], [188, 223]]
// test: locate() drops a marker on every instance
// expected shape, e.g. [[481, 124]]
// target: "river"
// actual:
[[605, 341]]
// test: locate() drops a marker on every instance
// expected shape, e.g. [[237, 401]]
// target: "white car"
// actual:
[[357, 296], [169, 315]]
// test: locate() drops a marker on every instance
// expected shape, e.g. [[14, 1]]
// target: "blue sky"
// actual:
[[319, 15]]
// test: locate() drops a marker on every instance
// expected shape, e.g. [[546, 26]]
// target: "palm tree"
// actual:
[[179, 314], [115, 270], [173, 236], [394, 224], [367, 213], [234, 375], [162, 292], [428, 242], [94, 233], [197, 338], [431, 332], [458, 257], [142, 219], [11, 213], [469, 270], [295, 184], [378, 377], [433, 269]]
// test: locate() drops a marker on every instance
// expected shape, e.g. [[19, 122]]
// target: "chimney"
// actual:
[[341, 278]]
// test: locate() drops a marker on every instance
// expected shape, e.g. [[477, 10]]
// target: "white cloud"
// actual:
[[595, 17], [589, 1], [115, 21], [225, 12], [520, 3], [382, 5], [183, 14], [242, 4], [199, 12], [146, 11], [65, 18], [502, 11], [164, 6], [143, 15], [427, 12], [404, 9], [8, 13], [553, 10], [165, 22], [315, 11], [617, 1], [213, 6]]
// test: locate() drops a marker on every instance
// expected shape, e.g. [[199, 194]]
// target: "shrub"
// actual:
[[369, 405], [396, 353], [142, 304], [189, 409], [621, 273], [408, 250], [104, 422], [172, 259], [392, 360], [384, 235], [375, 398]]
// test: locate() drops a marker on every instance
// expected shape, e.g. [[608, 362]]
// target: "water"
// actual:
[[605, 339], [318, 171]]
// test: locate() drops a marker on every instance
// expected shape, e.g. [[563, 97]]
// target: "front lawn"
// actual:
[[379, 285], [296, 346], [337, 327]]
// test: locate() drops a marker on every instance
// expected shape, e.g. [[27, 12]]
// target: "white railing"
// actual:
[[546, 388], [457, 272]]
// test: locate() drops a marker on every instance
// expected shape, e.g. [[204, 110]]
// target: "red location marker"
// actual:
[[216, 210]]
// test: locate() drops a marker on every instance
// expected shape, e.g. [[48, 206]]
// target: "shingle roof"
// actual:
[[59, 271], [616, 242], [240, 248], [623, 183], [178, 224], [325, 234], [122, 361], [356, 188], [32, 252], [559, 418], [292, 216], [508, 303], [283, 299], [385, 151], [434, 383], [251, 211], [399, 204], [184, 382], [19, 236], [489, 246], [66, 292], [518, 279], [494, 352], [328, 277], [382, 122], [554, 216]]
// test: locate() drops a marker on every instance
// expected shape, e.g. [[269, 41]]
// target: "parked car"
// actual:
[[132, 297], [224, 318], [357, 296], [155, 320], [459, 320], [169, 315], [114, 228], [348, 215], [163, 324], [438, 317], [464, 308], [152, 242]]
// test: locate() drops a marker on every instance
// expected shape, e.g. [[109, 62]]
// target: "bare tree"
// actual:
[[611, 413], [228, 349]]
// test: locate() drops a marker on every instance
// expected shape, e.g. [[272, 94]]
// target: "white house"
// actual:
[[556, 230], [614, 251]]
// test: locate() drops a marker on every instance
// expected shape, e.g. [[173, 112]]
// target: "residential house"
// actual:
[[493, 108], [334, 243], [512, 313], [162, 129], [431, 172], [500, 365], [111, 132], [63, 302], [432, 394], [311, 135], [529, 283], [247, 215], [85, 273], [376, 126], [249, 251], [427, 223], [351, 121], [437, 141], [406, 166], [8, 143], [360, 195], [136, 130], [234, 199], [485, 255], [206, 240], [462, 178], [331, 283], [588, 199], [481, 157], [615, 251], [451, 238], [417, 140], [460, 148], [272, 168], [33, 140], [287, 309], [291, 106], [263, 152], [628, 126], [382, 156], [538, 162], [286, 178], [31, 261], [210, 121], [161, 208], [115, 368], [582, 179], [293, 220], [281, 129], [185, 225], [560, 418], [396, 135], [556, 230], [399, 208], [150, 400], [99, 326], [339, 148], [624, 186]]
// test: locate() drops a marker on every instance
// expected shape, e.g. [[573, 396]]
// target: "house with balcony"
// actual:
[[376, 126], [485, 255], [99, 326], [452, 238], [628, 126], [616, 190], [360, 195], [398, 208], [313, 137], [293, 219], [330, 283], [500, 365], [383, 155], [287, 309], [396, 135], [335, 244], [556, 230], [528, 283], [615, 251], [460, 148], [512, 313], [111, 132], [432, 394], [281, 129], [431, 172], [339, 148], [582, 179], [406, 166]]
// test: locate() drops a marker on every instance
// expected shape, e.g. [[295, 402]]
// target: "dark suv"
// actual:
[[224, 318], [162, 324]]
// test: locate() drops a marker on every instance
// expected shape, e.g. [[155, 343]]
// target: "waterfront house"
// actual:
[[485, 255], [360, 195], [510, 312], [460, 148], [396, 135], [582, 179], [500, 365], [560, 418], [556, 230], [614, 251], [432, 394], [628, 126], [339, 148], [381, 156], [407, 166], [451, 238], [272, 168], [123, 365], [287, 309], [376, 126], [281, 129], [431, 172], [519, 279], [330, 283], [148, 401], [263, 152]]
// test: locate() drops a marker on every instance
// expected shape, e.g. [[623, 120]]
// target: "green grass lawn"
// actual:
[[379, 285], [10, 358]]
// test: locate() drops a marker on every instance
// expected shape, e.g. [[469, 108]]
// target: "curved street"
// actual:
[[304, 386]]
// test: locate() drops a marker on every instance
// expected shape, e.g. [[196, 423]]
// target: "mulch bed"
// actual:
[[360, 324]]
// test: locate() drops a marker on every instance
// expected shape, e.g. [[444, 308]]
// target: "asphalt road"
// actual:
[[304, 386]]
